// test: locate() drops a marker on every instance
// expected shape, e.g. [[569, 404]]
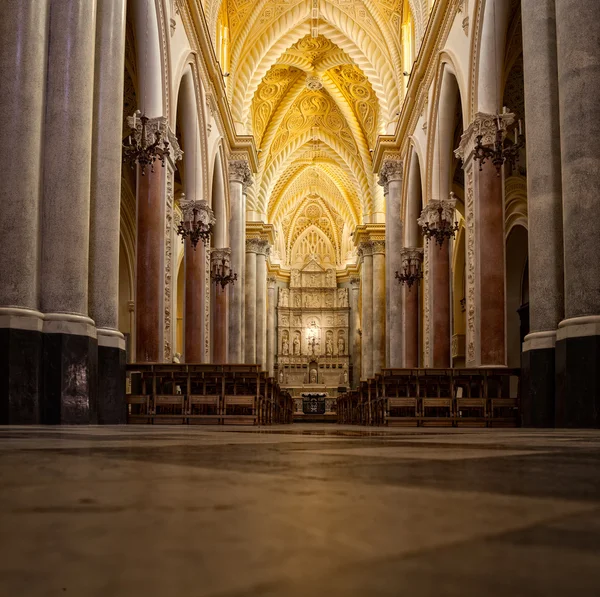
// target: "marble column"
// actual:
[[240, 177], [390, 178], [261, 302], [220, 306], [365, 250], [485, 254], [105, 209], [578, 336], [195, 302], [355, 339], [379, 331], [154, 250], [250, 286], [411, 315], [439, 285], [544, 205], [23, 62], [70, 342], [271, 325]]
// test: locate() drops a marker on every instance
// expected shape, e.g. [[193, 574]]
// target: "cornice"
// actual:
[[260, 230]]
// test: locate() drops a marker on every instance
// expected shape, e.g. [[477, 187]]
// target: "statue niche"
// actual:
[[329, 344], [297, 344], [285, 344]]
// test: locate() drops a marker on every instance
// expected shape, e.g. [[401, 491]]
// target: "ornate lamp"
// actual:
[[143, 149], [221, 271], [411, 266], [197, 222], [436, 220], [497, 152]]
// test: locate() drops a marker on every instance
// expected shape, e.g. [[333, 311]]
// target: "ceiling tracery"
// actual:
[[315, 102]]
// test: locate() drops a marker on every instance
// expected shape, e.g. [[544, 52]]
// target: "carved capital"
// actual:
[[486, 126], [239, 171], [355, 282], [412, 255], [159, 125], [196, 211], [378, 247], [259, 246], [391, 171], [430, 216], [365, 248], [218, 255], [271, 282]]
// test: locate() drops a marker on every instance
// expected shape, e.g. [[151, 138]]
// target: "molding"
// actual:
[[540, 340], [17, 318], [578, 327], [69, 323], [111, 338]]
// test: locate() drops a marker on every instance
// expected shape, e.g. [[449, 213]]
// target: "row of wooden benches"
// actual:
[[434, 397], [206, 394]]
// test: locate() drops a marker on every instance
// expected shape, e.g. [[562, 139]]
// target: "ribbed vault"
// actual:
[[315, 82]]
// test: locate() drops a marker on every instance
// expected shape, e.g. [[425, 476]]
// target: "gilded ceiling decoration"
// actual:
[[315, 91]]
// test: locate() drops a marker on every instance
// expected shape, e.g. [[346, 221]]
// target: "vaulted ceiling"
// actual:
[[315, 82]]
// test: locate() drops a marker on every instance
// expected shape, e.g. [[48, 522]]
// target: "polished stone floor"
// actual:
[[298, 511]]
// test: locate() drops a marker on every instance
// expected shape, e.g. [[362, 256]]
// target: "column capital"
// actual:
[[260, 246], [412, 254], [218, 255], [355, 281], [157, 125], [365, 248], [378, 247], [271, 282], [484, 125], [391, 171], [239, 171], [431, 212]]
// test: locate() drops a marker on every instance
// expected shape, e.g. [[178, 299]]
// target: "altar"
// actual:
[[312, 335]]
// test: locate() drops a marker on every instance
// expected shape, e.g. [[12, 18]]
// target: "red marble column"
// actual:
[[150, 253], [411, 325], [440, 303], [195, 301], [490, 224], [220, 306]]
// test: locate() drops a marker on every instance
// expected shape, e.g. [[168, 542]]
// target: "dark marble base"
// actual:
[[70, 370], [112, 409], [20, 376], [538, 387], [578, 382]]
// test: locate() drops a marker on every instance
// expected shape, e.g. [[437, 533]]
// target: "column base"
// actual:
[[538, 388], [111, 405], [20, 376], [70, 372], [578, 372]]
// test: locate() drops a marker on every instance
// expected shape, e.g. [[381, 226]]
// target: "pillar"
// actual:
[[354, 342], [485, 247], [194, 301], [390, 178], [271, 325], [411, 316], [23, 60], [261, 302], [544, 204], [220, 307], [252, 246], [578, 336], [240, 177], [105, 209], [439, 285], [379, 281], [70, 342], [366, 254], [154, 265]]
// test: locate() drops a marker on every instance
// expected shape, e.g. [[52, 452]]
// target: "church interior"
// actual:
[[314, 283]]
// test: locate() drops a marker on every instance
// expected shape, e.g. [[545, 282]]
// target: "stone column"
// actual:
[[23, 60], [252, 246], [439, 298], [105, 209], [261, 303], [365, 250], [391, 179], [154, 249], [485, 263], [578, 337], [195, 302], [220, 294], [355, 339], [271, 325], [240, 178], [544, 204], [70, 342], [411, 312], [378, 306]]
